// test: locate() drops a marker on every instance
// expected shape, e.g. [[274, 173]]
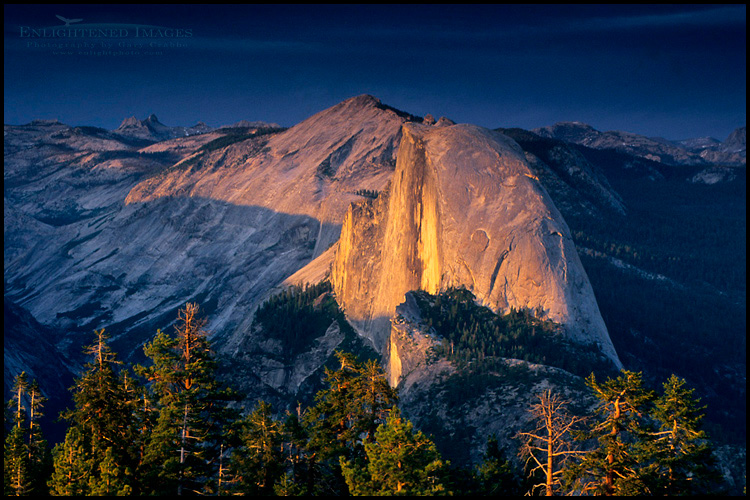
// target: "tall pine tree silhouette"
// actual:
[[96, 457], [184, 450], [27, 460]]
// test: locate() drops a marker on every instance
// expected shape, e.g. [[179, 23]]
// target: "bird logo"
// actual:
[[68, 21]]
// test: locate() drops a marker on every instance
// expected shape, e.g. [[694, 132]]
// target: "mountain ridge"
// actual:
[[688, 152]]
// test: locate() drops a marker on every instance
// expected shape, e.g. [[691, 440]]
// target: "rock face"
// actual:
[[575, 184], [410, 351], [102, 230], [463, 209]]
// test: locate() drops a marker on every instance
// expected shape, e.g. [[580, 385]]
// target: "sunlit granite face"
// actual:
[[463, 209]]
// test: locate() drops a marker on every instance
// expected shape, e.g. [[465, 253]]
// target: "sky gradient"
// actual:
[[671, 71]]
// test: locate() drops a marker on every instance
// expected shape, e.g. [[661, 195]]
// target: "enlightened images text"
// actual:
[[82, 32]]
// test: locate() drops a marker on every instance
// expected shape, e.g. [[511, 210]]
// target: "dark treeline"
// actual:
[[474, 336], [695, 236], [169, 427], [298, 315], [368, 193]]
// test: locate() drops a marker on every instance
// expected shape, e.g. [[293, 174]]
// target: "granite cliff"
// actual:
[[463, 208]]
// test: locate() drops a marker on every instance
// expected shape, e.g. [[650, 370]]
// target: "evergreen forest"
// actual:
[[170, 426]]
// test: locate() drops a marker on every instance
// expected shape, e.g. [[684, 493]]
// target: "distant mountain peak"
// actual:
[[364, 102], [577, 132], [574, 123], [357, 103], [45, 123], [131, 121], [153, 130], [249, 124]]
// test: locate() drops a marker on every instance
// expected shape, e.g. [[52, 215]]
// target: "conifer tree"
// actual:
[[185, 447], [355, 403], [615, 465], [331, 418], [27, 459], [495, 474], [299, 460], [401, 461], [18, 480], [376, 398], [331, 426], [17, 468], [40, 456], [345, 416], [257, 462], [683, 460], [110, 479], [99, 444], [73, 465]]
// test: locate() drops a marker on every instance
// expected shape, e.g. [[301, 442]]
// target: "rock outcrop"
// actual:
[[463, 209]]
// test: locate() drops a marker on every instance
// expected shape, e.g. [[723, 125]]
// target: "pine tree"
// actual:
[[73, 465], [401, 461], [376, 398], [15, 470], [684, 464], [17, 466], [109, 479], [345, 416], [99, 444], [332, 430], [495, 474], [331, 418], [299, 459], [257, 462], [27, 459], [186, 444], [355, 403], [40, 456], [615, 465]]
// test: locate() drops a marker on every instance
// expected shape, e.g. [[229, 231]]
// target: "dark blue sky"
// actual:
[[670, 71]]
